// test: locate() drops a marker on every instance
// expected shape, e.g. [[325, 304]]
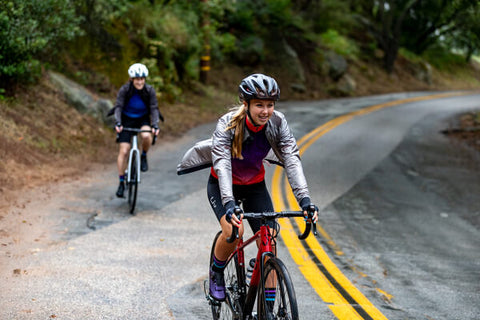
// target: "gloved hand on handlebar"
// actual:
[[155, 129], [118, 127], [309, 208], [233, 214]]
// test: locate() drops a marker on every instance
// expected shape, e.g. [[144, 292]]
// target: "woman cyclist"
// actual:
[[136, 107], [243, 139]]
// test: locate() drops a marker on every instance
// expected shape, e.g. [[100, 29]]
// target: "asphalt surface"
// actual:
[[397, 197]]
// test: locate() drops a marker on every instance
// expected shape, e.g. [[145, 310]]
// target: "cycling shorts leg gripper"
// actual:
[[215, 198]]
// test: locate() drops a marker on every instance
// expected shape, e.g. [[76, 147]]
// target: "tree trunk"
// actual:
[[390, 54]]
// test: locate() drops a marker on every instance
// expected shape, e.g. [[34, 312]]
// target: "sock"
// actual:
[[218, 265], [122, 178], [270, 294], [144, 153]]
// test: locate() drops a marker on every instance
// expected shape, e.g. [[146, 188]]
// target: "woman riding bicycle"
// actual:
[[243, 139], [136, 107]]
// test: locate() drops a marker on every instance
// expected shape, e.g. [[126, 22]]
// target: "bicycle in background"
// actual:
[[132, 173], [270, 285]]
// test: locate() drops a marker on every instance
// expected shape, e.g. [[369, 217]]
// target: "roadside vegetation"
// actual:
[[316, 49]]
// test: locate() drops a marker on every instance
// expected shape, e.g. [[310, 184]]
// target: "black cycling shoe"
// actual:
[[143, 163], [121, 189]]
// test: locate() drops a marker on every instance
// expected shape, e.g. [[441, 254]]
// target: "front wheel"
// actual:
[[231, 308], [276, 296], [133, 184]]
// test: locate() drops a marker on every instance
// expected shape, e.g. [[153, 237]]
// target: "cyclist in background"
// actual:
[[243, 139], [136, 107]]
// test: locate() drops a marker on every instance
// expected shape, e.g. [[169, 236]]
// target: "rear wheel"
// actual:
[[276, 296], [231, 308], [133, 184]]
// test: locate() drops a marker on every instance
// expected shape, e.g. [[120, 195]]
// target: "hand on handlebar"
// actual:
[[234, 215], [311, 212], [118, 127], [155, 130]]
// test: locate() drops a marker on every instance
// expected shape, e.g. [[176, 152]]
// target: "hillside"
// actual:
[[45, 140]]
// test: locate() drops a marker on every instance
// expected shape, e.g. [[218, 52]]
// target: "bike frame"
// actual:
[[264, 250]]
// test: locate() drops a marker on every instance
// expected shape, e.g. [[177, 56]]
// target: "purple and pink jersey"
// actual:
[[250, 170]]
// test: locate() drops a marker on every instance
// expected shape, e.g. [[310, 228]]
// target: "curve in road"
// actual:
[[344, 299]]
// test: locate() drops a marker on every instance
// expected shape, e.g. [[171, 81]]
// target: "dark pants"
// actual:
[[254, 198], [127, 122]]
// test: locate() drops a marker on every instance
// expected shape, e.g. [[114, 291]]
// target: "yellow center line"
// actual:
[[321, 283]]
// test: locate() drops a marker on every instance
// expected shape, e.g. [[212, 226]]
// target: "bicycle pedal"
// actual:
[[212, 301]]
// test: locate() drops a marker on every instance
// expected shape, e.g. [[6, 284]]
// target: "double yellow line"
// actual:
[[333, 287]]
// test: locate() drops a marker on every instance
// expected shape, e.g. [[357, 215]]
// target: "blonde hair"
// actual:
[[238, 124]]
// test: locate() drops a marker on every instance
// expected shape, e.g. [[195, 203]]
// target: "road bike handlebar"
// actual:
[[140, 130], [275, 215]]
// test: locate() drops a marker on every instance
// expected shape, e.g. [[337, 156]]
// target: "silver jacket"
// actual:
[[217, 152]]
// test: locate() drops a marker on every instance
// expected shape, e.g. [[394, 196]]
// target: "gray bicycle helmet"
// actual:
[[138, 70], [258, 86]]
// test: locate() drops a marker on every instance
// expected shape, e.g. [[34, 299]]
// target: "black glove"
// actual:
[[308, 206], [231, 209]]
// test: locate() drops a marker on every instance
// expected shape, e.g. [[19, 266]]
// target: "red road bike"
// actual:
[[270, 287]]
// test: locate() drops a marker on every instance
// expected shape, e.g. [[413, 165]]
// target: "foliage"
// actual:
[[414, 24], [99, 39], [466, 34], [430, 21], [30, 29], [340, 44], [441, 57], [325, 15]]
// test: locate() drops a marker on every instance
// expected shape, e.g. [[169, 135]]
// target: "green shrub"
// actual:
[[340, 44], [29, 31], [443, 58]]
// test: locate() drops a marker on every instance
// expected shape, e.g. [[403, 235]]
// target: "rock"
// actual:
[[423, 71], [345, 87], [292, 62], [103, 106], [337, 65], [298, 87], [81, 99]]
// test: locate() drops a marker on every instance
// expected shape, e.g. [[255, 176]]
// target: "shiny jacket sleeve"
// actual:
[[285, 147], [221, 157]]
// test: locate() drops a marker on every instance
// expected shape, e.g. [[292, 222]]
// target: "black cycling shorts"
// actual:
[[254, 198], [127, 122]]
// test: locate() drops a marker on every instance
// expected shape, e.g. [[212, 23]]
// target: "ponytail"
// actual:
[[238, 124]]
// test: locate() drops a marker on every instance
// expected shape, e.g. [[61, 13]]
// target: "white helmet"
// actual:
[[138, 70]]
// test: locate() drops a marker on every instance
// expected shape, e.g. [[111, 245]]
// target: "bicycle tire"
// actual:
[[284, 303], [133, 185], [231, 308]]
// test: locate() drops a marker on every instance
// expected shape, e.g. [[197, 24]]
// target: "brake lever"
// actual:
[[315, 229], [309, 226], [234, 236]]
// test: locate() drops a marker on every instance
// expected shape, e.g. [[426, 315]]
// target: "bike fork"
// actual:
[[134, 153]]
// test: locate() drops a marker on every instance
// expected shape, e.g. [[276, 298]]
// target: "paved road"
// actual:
[[396, 197]]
